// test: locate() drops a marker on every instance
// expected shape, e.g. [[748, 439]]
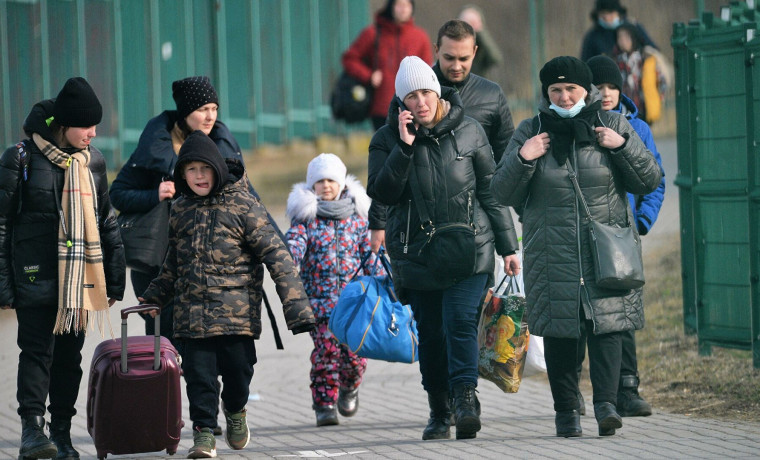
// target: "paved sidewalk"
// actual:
[[392, 413]]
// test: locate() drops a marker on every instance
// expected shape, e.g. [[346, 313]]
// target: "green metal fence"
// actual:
[[718, 117], [272, 62]]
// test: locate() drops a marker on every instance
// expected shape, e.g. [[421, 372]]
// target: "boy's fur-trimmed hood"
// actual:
[[302, 201]]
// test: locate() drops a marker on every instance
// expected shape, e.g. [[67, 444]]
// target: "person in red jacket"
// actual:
[[377, 64]]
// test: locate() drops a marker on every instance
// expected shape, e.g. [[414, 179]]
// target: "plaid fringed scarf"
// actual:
[[81, 278]]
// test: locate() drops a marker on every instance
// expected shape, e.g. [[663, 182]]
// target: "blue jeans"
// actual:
[[447, 321]]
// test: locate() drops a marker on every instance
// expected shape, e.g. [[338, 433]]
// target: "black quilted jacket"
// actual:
[[29, 236], [454, 166]]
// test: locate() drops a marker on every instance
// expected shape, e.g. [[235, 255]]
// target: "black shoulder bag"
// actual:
[[351, 99], [146, 237], [450, 250], [616, 251]]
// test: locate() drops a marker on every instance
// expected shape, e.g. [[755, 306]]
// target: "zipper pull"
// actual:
[[582, 282]]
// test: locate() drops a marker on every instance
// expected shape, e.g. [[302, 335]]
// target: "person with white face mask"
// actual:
[[607, 15], [573, 133]]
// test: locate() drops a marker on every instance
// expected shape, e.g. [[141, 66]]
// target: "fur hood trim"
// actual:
[[302, 201]]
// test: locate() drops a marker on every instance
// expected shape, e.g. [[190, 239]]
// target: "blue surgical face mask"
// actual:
[[572, 111], [609, 25]]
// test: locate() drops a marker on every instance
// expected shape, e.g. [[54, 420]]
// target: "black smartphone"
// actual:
[[409, 126]]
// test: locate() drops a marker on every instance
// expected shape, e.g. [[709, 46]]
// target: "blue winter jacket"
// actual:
[[645, 208]]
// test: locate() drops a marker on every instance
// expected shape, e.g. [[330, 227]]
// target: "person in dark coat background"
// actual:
[[441, 167], [607, 15], [560, 285], [489, 54], [399, 37], [646, 208], [61, 258]]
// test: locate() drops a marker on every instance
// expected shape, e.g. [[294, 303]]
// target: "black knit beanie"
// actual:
[[77, 105], [564, 69], [605, 70], [193, 92], [199, 147]]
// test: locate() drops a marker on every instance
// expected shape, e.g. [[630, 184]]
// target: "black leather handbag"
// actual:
[[146, 237], [616, 251]]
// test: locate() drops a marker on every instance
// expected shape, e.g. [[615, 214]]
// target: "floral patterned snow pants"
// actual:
[[333, 367]]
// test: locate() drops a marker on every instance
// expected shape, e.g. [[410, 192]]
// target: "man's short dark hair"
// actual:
[[456, 30]]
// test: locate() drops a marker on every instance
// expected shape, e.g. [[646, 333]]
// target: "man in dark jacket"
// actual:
[[482, 99]]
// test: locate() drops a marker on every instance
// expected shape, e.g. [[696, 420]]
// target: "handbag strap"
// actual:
[[419, 201], [579, 194], [363, 263]]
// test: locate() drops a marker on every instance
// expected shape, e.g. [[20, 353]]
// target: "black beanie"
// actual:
[[77, 105], [199, 147], [609, 5], [564, 69], [193, 92], [605, 70]]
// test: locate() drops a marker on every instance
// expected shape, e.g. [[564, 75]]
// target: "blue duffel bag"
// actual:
[[370, 319]]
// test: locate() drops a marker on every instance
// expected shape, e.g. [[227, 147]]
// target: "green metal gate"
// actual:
[[273, 62], [718, 177]]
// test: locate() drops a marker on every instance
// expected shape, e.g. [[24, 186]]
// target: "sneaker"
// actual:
[[237, 435], [204, 444], [217, 430]]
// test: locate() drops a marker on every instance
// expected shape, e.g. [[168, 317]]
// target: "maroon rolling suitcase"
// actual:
[[134, 400]]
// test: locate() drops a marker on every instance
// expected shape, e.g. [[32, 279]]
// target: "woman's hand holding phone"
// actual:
[[406, 126]]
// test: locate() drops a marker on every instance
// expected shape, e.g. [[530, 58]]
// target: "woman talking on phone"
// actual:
[[432, 165]]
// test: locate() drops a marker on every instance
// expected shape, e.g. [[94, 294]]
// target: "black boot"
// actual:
[[34, 443], [326, 415], [467, 418], [607, 418], [453, 418], [629, 403], [60, 435], [438, 423], [348, 402], [568, 424]]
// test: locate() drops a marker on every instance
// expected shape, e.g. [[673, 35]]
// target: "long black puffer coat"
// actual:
[[29, 235], [454, 166], [559, 276]]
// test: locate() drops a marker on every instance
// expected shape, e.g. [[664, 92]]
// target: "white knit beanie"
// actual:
[[414, 74], [326, 166]]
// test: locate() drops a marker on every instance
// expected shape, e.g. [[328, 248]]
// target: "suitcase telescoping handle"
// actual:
[[145, 308]]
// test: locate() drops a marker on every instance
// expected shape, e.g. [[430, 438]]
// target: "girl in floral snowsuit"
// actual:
[[328, 238]]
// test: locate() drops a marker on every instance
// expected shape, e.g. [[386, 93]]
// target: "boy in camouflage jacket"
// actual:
[[219, 238]]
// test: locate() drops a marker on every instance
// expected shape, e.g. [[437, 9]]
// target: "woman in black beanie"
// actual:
[[572, 133], [146, 178], [61, 258]]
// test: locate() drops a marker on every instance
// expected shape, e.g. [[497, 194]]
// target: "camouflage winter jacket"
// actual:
[[213, 268]]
